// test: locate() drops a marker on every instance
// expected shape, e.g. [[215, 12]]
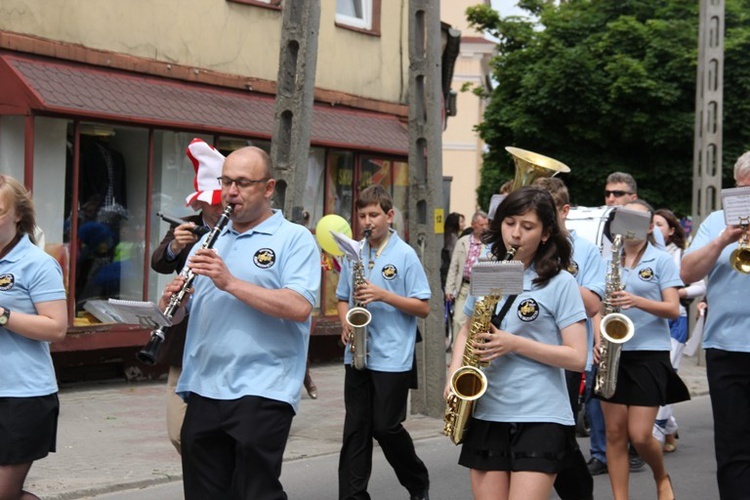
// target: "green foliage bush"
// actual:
[[606, 85]]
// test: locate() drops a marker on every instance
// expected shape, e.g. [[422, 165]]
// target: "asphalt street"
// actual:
[[691, 468], [112, 443]]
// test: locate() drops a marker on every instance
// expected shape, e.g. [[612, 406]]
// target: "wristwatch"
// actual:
[[4, 317]]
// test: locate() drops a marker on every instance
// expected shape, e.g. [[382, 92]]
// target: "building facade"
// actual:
[[99, 100], [462, 146]]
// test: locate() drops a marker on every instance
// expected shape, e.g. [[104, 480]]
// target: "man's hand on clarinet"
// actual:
[[206, 262], [171, 289]]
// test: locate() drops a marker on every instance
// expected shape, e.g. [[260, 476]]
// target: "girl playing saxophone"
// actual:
[[523, 430], [645, 377]]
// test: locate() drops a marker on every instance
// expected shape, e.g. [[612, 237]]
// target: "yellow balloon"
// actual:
[[329, 223]]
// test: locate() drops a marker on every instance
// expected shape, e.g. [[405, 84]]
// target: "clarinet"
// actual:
[[174, 222], [148, 354]]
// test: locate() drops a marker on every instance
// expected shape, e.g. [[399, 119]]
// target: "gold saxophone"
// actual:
[[615, 328], [469, 383], [358, 317]]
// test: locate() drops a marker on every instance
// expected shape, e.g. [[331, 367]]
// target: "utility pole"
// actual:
[[290, 146], [709, 105], [425, 193], [709, 113]]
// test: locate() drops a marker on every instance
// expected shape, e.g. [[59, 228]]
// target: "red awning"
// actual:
[[64, 88]]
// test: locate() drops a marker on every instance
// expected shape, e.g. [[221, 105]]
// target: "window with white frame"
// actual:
[[354, 13]]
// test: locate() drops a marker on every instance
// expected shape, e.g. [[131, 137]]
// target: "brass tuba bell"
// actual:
[[531, 166]]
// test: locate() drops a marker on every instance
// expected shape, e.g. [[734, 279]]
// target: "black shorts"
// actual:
[[527, 446], [28, 428], [647, 378]]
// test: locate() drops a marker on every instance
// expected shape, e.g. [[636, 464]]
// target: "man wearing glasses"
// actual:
[[170, 257], [247, 339], [725, 340], [620, 189]]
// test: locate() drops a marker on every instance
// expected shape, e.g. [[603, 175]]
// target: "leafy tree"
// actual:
[[607, 85]]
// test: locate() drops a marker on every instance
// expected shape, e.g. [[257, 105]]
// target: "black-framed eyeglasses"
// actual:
[[225, 181], [616, 193]]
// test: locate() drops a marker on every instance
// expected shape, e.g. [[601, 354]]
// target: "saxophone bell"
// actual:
[[616, 328], [358, 318], [469, 383]]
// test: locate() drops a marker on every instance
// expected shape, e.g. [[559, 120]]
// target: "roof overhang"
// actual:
[[33, 85]]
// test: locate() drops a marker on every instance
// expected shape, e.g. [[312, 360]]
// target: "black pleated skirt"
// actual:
[[28, 428], [524, 446], [646, 378]]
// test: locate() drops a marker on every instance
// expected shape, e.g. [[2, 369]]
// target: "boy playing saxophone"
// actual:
[[395, 291]]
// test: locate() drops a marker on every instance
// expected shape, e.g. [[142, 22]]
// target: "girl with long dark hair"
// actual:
[[522, 430]]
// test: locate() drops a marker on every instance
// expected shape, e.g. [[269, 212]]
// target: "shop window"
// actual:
[[314, 193], [312, 203], [109, 250], [11, 149], [111, 211], [173, 181], [400, 194], [51, 145], [339, 198], [394, 177], [375, 171], [340, 184]]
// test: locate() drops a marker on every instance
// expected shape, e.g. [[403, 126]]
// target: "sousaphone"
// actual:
[[531, 166]]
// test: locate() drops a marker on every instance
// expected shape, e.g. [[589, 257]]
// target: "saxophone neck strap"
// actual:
[[381, 246], [498, 318]]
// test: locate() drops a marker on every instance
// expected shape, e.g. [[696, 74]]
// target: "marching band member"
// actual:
[[523, 429], [396, 292], [33, 313], [247, 339], [726, 341], [645, 378]]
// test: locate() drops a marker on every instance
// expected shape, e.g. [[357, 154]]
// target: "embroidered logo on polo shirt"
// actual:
[[389, 272], [528, 310], [573, 268], [7, 281], [646, 274], [264, 258]]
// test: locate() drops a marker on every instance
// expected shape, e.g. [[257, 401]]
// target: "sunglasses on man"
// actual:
[[616, 193]]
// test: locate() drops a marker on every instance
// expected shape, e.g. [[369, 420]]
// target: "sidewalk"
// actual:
[[112, 435]]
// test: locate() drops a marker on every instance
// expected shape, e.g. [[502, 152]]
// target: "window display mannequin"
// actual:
[[102, 202]]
